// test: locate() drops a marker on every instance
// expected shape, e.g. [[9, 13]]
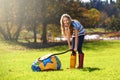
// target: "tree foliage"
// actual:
[[92, 18], [12, 17], [115, 24], [28, 13], [38, 16]]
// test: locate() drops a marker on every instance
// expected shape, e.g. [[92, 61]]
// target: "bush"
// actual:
[[115, 24]]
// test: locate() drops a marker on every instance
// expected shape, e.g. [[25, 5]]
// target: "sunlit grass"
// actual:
[[101, 62]]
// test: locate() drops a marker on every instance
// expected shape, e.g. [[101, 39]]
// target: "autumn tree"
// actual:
[[11, 18], [92, 18]]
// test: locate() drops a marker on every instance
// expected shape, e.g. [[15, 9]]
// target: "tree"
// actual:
[[104, 21], [32, 13], [33, 17], [12, 18], [92, 17], [118, 6], [96, 4], [115, 20], [115, 24]]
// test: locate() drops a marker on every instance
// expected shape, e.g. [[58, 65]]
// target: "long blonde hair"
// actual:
[[62, 25]]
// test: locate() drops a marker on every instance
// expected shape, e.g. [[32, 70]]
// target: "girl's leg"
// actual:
[[73, 45], [73, 55], [80, 43], [81, 54]]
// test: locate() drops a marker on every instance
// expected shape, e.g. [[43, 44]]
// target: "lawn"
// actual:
[[101, 62]]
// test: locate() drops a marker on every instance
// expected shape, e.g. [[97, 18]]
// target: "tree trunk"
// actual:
[[17, 33], [8, 31], [44, 37], [44, 23], [3, 33], [35, 34]]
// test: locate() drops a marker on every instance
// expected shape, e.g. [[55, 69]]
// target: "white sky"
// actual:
[[89, 0]]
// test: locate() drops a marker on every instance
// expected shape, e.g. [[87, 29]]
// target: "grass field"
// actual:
[[102, 62]]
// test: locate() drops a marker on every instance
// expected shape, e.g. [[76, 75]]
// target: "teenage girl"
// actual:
[[73, 28]]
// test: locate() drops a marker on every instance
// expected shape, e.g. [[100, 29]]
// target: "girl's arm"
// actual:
[[68, 36], [76, 40]]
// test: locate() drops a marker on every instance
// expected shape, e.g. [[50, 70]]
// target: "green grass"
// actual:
[[101, 62]]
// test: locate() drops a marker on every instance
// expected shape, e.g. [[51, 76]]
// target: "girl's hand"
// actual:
[[70, 48], [75, 49]]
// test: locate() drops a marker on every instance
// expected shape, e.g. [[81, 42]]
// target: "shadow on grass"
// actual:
[[49, 70], [60, 46], [40, 45], [87, 69], [90, 69], [89, 45]]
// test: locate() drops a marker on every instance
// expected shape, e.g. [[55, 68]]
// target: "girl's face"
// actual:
[[66, 21]]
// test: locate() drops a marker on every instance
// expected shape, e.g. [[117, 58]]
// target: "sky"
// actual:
[[89, 0]]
